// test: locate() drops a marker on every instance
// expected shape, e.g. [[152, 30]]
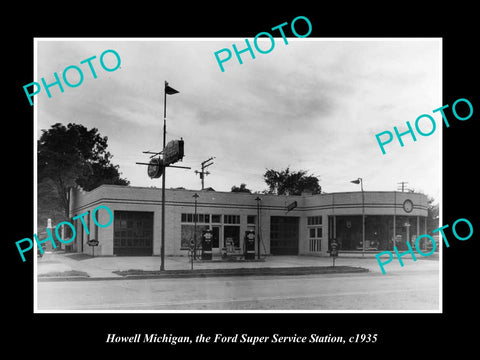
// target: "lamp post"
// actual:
[[195, 229], [257, 199], [360, 181]]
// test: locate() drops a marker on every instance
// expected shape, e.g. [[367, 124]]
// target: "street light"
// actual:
[[195, 229], [360, 181], [257, 199]]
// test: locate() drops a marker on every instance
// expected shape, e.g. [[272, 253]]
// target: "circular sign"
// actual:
[[408, 205], [93, 242], [155, 168]]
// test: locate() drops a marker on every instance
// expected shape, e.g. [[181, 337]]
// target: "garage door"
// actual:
[[133, 234], [284, 235]]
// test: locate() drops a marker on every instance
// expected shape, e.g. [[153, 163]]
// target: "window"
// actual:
[[231, 234], [216, 218], [315, 245], [231, 219], [251, 222], [314, 220], [188, 235], [315, 233], [190, 218]]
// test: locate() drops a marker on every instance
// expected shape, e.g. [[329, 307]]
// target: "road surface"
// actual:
[[407, 290]]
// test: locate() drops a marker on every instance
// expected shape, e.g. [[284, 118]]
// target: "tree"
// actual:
[[433, 211], [242, 188], [72, 155], [433, 215], [288, 182]]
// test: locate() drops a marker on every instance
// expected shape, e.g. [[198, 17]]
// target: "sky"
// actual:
[[315, 104]]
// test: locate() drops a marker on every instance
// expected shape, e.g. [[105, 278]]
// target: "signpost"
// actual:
[[93, 243], [172, 152], [333, 250]]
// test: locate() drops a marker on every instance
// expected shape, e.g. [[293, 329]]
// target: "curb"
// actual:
[[204, 273]]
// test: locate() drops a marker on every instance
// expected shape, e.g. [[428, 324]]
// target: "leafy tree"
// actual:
[[433, 211], [286, 182], [242, 188], [72, 155], [433, 215]]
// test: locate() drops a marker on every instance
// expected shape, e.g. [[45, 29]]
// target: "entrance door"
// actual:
[[216, 239], [133, 233], [284, 235]]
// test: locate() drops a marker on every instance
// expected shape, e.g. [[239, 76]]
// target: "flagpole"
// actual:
[[162, 249]]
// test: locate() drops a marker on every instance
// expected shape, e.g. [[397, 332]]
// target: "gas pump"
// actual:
[[249, 243], [207, 236]]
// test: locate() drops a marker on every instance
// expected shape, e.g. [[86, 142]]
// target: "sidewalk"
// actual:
[[70, 266]]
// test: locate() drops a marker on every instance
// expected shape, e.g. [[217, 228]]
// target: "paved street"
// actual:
[[413, 287]]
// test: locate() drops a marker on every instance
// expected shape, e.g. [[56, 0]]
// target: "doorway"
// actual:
[[216, 231], [284, 235]]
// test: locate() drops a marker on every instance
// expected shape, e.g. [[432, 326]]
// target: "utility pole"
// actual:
[[203, 172], [402, 185]]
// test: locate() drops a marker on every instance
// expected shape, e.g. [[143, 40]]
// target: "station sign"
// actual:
[[173, 152], [155, 168]]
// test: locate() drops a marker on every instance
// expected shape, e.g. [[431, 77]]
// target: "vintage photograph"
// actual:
[[238, 175]]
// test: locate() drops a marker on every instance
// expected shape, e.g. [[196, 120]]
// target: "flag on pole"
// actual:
[[169, 90]]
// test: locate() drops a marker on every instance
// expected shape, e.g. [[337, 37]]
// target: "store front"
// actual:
[[390, 219], [382, 232]]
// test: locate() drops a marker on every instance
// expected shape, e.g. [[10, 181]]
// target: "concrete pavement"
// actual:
[[61, 265]]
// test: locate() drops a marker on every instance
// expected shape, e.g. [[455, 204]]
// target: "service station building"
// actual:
[[283, 225]]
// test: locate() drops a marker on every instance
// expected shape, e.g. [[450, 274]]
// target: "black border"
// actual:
[[84, 334]]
